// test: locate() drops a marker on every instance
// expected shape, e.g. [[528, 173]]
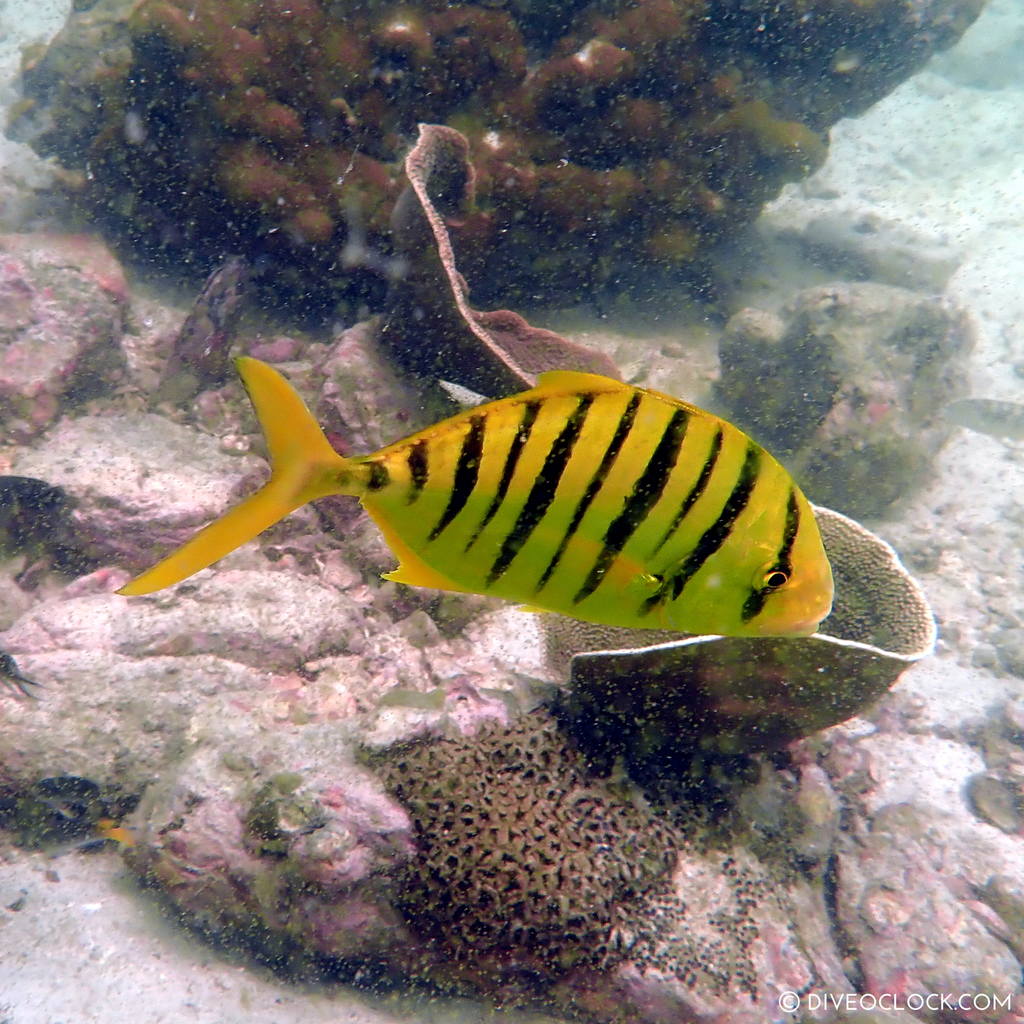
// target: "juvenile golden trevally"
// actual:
[[583, 495]]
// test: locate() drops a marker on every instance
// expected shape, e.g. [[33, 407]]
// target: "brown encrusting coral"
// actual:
[[526, 865], [604, 136]]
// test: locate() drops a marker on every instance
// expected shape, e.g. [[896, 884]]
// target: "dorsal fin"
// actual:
[[576, 380]]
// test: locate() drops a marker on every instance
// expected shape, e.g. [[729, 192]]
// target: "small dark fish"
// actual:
[[68, 813], [107, 832], [989, 416], [11, 677], [200, 358]]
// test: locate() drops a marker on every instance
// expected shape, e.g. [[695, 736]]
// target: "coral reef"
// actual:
[[231, 710], [848, 385], [671, 708], [606, 138], [525, 865]]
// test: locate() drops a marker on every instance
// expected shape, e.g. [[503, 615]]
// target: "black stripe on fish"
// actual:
[[466, 471], [642, 498], [783, 560], [695, 491], [714, 536], [379, 477], [542, 493], [625, 425], [530, 412], [419, 468]]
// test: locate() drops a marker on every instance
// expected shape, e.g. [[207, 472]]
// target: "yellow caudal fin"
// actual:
[[304, 467]]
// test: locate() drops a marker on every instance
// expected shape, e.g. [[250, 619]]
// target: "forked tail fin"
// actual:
[[304, 467]]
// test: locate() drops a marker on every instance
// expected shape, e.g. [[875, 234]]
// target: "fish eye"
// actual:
[[775, 578]]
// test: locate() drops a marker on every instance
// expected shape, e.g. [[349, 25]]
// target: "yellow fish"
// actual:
[[583, 495]]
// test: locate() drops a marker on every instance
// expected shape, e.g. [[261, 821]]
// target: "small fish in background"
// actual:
[[583, 495], [68, 813], [110, 831], [14, 680], [989, 416], [200, 358]]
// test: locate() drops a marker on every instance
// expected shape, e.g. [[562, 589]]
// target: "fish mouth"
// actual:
[[807, 627], [790, 629]]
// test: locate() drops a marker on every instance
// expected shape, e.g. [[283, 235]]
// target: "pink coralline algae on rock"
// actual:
[[61, 307], [120, 515]]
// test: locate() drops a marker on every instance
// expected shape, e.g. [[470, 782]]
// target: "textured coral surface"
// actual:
[[605, 136], [526, 865]]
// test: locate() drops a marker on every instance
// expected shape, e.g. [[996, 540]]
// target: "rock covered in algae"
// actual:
[[120, 515], [62, 299], [604, 136], [897, 882], [491, 862], [848, 387]]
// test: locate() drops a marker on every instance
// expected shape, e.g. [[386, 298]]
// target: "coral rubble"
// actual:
[[604, 136]]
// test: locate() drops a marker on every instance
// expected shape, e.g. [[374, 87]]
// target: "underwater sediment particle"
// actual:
[[604, 136]]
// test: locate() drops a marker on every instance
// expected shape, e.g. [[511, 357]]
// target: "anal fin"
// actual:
[[412, 570]]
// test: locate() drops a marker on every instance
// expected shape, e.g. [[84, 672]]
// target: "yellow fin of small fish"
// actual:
[[113, 830], [412, 570], [304, 467]]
